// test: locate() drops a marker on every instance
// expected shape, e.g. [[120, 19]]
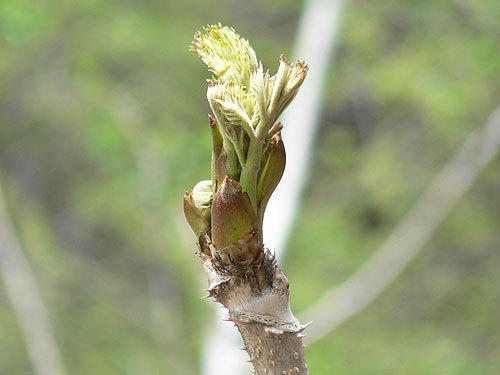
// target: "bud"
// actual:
[[248, 152], [202, 197], [194, 216], [233, 216], [296, 75], [286, 84], [272, 171]]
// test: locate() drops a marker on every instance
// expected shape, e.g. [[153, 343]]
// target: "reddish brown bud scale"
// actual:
[[233, 216], [271, 174]]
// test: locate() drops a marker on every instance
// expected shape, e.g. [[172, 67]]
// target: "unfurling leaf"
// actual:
[[234, 114], [227, 54]]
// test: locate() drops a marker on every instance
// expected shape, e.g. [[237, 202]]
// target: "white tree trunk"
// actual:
[[445, 190], [27, 301]]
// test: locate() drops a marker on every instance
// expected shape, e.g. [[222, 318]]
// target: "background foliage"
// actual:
[[103, 128]]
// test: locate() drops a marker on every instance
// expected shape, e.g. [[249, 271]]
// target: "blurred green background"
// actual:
[[103, 127]]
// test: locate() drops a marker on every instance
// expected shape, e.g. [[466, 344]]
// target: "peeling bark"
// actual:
[[257, 297]]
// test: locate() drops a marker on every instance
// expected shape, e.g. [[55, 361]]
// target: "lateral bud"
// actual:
[[202, 197], [194, 216], [233, 216]]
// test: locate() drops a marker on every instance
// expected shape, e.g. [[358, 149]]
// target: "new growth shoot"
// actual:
[[248, 157]]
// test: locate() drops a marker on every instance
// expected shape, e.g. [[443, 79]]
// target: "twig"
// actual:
[[27, 301], [344, 301]]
